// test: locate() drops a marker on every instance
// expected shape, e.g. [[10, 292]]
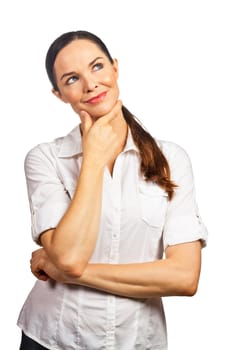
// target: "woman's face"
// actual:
[[86, 79]]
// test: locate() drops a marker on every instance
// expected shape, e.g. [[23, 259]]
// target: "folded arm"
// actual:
[[177, 274]]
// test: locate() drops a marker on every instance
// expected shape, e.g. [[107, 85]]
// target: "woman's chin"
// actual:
[[99, 111]]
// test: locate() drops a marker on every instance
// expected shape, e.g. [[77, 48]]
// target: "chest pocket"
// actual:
[[153, 201]]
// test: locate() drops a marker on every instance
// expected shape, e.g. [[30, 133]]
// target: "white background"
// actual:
[[176, 75]]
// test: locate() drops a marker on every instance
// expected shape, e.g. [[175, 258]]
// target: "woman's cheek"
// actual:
[[74, 96]]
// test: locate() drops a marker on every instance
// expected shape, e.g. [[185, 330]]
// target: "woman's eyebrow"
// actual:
[[92, 62], [67, 74], [73, 73]]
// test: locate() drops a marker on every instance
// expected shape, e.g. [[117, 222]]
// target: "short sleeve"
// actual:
[[47, 195], [183, 221]]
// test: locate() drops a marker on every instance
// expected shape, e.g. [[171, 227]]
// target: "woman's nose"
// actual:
[[89, 84]]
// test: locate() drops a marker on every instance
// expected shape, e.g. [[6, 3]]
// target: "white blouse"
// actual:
[[137, 224]]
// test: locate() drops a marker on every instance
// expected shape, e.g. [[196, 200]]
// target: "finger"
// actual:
[[111, 115], [37, 252], [87, 121], [42, 275], [36, 269], [36, 263]]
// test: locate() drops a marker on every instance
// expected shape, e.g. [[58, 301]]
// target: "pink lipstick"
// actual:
[[97, 98]]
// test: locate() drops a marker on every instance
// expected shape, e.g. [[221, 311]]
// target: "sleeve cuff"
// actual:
[[47, 217], [185, 229]]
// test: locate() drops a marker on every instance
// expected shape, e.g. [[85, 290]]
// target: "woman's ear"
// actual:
[[59, 95], [115, 66]]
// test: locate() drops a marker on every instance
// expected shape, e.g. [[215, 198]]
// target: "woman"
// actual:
[[107, 201]]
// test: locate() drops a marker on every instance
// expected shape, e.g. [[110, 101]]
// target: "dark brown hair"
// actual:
[[154, 165]]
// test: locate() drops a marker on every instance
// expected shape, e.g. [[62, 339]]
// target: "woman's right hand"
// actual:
[[100, 142]]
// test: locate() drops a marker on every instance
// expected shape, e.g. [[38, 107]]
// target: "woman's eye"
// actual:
[[71, 80], [98, 66]]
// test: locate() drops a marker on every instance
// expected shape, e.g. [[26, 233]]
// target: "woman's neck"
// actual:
[[120, 127]]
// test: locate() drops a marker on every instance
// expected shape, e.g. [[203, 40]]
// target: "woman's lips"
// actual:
[[97, 98]]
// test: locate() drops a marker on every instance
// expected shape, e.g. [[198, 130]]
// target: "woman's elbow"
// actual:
[[72, 268], [190, 285]]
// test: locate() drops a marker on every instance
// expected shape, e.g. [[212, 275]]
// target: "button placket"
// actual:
[[116, 220], [111, 320], [114, 252]]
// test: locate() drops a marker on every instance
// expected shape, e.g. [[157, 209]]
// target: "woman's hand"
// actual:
[[43, 269], [100, 142]]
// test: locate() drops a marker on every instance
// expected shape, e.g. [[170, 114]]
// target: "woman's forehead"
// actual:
[[77, 54], [80, 48]]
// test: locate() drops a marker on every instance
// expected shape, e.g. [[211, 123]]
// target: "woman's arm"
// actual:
[[177, 274], [71, 244]]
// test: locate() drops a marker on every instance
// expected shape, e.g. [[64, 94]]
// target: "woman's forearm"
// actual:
[[71, 244], [178, 274], [144, 280]]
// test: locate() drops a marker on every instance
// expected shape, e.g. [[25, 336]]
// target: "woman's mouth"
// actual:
[[97, 98]]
